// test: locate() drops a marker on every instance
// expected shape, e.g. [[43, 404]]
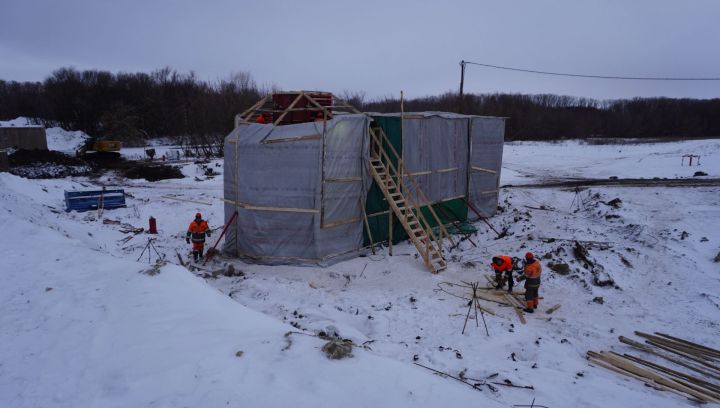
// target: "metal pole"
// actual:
[[401, 162], [462, 85]]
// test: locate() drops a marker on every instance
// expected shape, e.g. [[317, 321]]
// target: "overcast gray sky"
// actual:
[[379, 47]]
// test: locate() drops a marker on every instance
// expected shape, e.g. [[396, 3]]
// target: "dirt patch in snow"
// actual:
[[43, 164], [153, 172]]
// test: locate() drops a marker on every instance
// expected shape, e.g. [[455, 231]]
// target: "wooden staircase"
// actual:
[[405, 203]]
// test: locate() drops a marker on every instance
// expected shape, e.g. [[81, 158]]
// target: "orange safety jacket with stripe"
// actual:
[[505, 266], [197, 231], [531, 274]]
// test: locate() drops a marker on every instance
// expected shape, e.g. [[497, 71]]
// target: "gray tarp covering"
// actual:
[[487, 136], [300, 189], [452, 156], [435, 153], [274, 179]]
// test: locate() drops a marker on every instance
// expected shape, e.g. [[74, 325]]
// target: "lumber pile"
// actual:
[[693, 372]]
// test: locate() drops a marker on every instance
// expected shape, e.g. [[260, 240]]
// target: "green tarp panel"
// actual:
[[447, 211]]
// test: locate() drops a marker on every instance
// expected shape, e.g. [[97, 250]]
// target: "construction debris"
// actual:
[[337, 349], [701, 359], [600, 277]]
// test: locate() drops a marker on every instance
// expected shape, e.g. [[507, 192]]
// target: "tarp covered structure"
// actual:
[[301, 191]]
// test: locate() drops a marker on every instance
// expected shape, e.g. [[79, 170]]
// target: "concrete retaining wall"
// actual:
[[4, 163], [23, 138]]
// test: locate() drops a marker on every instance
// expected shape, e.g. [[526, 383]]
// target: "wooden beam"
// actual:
[[343, 180], [341, 222], [689, 343], [367, 227], [447, 170], [294, 102], [482, 169], [184, 199], [292, 139], [278, 209], [650, 350]]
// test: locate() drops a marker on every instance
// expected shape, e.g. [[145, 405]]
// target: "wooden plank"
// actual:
[[520, 315], [292, 139], [418, 173], [292, 105], [341, 222], [476, 168], [447, 170], [278, 209], [650, 350], [342, 180], [390, 230], [689, 343], [554, 308], [251, 110], [713, 388], [594, 359], [514, 301], [683, 354], [626, 366], [185, 199], [367, 228], [679, 346]]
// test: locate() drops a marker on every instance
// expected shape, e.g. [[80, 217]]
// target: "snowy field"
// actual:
[[83, 326], [525, 162]]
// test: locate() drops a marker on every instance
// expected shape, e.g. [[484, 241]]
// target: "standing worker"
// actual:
[[500, 264], [531, 276], [197, 231]]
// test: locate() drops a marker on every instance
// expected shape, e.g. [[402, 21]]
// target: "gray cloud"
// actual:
[[379, 47]]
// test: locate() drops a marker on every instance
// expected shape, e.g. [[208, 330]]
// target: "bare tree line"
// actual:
[[552, 117], [134, 107]]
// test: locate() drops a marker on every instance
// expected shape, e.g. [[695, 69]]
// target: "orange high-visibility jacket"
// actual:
[[505, 266], [197, 231], [533, 270]]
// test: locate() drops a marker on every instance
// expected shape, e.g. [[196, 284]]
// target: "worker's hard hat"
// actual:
[[529, 255], [198, 215]]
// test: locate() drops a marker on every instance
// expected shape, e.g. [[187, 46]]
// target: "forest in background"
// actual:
[[166, 103]]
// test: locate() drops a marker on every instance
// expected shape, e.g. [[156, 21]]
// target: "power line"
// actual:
[[533, 71]]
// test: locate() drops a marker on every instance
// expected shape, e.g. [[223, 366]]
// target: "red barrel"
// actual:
[[153, 226]]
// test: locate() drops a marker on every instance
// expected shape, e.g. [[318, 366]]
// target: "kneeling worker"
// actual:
[[500, 264], [197, 231], [531, 276]]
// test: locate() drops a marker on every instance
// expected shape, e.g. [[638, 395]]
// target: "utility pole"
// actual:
[[462, 83]]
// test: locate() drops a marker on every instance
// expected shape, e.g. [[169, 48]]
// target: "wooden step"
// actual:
[[417, 234]]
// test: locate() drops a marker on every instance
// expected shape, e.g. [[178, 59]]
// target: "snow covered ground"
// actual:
[[82, 326], [524, 162]]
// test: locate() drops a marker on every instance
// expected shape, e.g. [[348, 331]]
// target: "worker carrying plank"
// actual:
[[504, 264], [196, 232], [531, 276]]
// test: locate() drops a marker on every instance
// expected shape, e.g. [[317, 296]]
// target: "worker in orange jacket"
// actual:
[[503, 264], [196, 232], [263, 118], [531, 276]]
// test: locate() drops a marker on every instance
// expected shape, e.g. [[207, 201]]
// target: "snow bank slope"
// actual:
[[81, 328], [64, 140]]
